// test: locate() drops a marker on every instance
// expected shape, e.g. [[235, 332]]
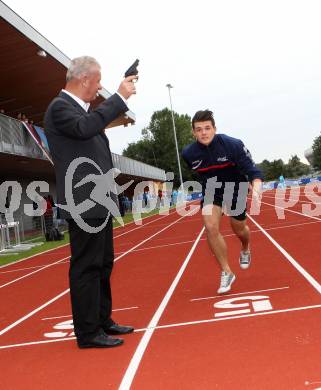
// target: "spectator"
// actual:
[[174, 197], [282, 182], [146, 196], [128, 203], [24, 118], [51, 201], [121, 205], [48, 215], [159, 198]]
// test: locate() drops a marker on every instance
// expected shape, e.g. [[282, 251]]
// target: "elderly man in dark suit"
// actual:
[[74, 132]]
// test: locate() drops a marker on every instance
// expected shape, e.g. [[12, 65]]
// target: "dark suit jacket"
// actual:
[[73, 133]]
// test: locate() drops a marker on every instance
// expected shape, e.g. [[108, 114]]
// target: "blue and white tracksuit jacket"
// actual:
[[224, 160]]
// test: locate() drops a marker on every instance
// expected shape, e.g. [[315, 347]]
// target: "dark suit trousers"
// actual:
[[91, 263]]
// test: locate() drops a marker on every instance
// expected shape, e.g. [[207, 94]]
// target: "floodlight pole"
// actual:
[[169, 86]]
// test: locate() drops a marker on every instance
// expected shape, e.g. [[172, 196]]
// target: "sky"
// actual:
[[256, 64]]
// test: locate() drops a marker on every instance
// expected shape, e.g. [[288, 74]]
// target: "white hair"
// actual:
[[81, 66]]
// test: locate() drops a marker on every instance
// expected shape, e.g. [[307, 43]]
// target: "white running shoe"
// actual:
[[245, 259], [226, 282]]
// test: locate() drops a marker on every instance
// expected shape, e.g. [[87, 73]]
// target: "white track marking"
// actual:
[[291, 211], [70, 315], [28, 268], [30, 257], [123, 254], [33, 272], [66, 291], [234, 317], [126, 308], [6, 329], [56, 318], [37, 342], [155, 234], [138, 355], [172, 244], [174, 325], [143, 225], [295, 264], [62, 246], [162, 246], [301, 201], [242, 293], [224, 235]]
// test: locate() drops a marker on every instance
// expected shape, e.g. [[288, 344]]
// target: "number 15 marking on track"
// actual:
[[256, 303]]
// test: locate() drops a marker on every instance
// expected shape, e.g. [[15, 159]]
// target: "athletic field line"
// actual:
[[6, 329], [295, 264], [138, 355], [180, 324]]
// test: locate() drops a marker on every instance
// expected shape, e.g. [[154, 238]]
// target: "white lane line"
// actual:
[[171, 212], [301, 201], [163, 246], [242, 293], [30, 257], [6, 329], [33, 272], [70, 315], [123, 254], [62, 246], [224, 235], [27, 268], [56, 318], [295, 264], [176, 243], [143, 225], [263, 313], [138, 355], [294, 309], [291, 211], [37, 342], [150, 237], [126, 308], [284, 226]]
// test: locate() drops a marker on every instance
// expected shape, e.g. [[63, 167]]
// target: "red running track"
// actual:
[[264, 334]]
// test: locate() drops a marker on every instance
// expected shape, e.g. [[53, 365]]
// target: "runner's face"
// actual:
[[204, 132]]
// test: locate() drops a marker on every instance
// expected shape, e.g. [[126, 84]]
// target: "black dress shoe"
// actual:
[[118, 329], [101, 341]]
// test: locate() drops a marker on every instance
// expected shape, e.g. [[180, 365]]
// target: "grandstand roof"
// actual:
[[30, 81]]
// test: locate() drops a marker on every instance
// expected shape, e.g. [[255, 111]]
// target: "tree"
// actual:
[[274, 169], [296, 168], [157, 146], [316, 147], [265, 167]]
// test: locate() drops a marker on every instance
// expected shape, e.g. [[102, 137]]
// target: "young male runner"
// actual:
[[221, 160]]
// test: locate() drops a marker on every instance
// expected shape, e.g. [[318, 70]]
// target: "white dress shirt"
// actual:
[[85, 105], [82, 104]]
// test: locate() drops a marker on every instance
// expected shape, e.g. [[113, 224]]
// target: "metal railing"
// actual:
[[19, 232], [15, 139], [132, 167]]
